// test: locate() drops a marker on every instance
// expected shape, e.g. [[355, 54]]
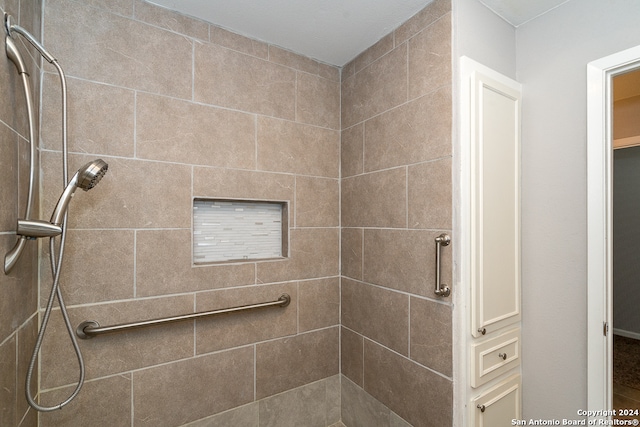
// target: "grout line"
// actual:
[[362, 240], [406, 196], [133, 407], [409, 327], [193, 71], [195, 326], [135, 264], [297, 307], [364, 147], [255, 141], [362, 339], [135, 124], [255, 371]]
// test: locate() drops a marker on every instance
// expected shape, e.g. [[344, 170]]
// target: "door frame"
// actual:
[[600, 223]]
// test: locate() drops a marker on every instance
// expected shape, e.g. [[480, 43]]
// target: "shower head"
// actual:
[[86, 178], [90, 174]]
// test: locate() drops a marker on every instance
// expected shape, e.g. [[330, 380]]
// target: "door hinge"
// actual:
[[605, 328]]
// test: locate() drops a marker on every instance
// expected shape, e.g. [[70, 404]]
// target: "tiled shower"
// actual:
[[180, 110]]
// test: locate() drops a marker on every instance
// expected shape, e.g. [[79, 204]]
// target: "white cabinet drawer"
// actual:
[[495, 356], [499, 405]]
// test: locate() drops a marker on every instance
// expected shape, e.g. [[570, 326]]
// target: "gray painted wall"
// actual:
[[552, 53], [484, 37]]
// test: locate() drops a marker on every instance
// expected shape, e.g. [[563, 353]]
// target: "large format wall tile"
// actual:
[[193, 133], [415, 132], [27, 336], [18, 289], [351, 252], [314, 404], [245, 415], [352, 151], [164, 266], [319, 303], [376, 313], [234, 330], [378, 87], [360, 409], [314, 253], [118, 352], [238, 184], [133, 193], [375, 199], [239, 43], [176, 22], [8, 386], [318, 101], [317, 202], [231, 79], [191, 389], [98, 266], [351, 352], [432, 12], [403, 260], [93, 108], [379, 49], [430, 58], [9, 209], [404, 387], [430, 195], [291, 362], [285, 146], [121, 7], [300, 406], [118, 50], [431, 335], [106, 399]]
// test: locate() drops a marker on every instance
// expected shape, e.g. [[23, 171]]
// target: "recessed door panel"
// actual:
[[495, 205]]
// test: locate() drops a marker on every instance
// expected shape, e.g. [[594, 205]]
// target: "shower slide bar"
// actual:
[[91, 328]]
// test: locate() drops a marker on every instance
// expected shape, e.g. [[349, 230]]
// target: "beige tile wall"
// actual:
[[396, 198], [180, 109], [18, 290]]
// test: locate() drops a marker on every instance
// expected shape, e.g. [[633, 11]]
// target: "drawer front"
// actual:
[[498, 406], [495, 356]]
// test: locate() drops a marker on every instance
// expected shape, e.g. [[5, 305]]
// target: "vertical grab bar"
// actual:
[[442, 290]]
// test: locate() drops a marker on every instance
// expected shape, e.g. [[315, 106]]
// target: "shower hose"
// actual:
[[55, 292]]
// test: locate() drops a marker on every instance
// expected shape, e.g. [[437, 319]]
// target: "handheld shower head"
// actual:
[[86, 178], [90, 174]]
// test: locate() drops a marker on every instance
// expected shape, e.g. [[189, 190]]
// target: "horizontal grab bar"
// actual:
[[91, 328]]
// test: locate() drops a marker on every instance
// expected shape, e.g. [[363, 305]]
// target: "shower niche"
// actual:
[[239, 230]]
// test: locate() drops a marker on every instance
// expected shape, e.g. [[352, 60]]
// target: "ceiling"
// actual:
[[332, 31], [517, 12]]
